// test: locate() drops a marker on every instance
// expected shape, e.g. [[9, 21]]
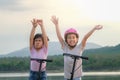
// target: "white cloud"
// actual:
[[82, 14], [102, 10]]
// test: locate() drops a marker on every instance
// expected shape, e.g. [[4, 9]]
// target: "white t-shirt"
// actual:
[[68, 62]]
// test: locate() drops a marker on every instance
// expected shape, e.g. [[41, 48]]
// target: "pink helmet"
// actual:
[[71, 30]]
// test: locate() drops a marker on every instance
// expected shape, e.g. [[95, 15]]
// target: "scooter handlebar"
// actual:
[[47, 60], [75, 56]]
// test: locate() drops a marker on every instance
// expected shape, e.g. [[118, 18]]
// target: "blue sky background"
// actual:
[[16, 15]]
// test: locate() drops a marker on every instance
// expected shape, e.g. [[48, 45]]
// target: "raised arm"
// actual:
[[97, 27], [55, 21], [40, 22], [34, 24]]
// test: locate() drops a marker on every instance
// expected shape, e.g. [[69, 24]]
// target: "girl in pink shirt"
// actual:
[[38, 50]]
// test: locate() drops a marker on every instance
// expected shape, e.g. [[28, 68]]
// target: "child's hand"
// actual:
[[98, 27], [34, 23], [40, 22], [54, 20]]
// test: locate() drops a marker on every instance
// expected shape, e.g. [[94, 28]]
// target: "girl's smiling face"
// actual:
[[72, 39]]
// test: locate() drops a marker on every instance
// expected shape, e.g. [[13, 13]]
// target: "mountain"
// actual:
[[54, 49], [105, 50]]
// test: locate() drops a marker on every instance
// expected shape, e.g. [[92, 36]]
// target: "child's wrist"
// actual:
[[94, 28], [41, 25], [34, 27], [56, 24]]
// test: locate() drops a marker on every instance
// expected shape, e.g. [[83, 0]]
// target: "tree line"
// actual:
[[96, 62]]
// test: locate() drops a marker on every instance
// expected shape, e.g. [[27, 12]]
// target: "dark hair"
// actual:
[[38, 35]]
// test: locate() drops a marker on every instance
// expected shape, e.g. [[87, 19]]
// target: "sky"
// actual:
[[83, 15]]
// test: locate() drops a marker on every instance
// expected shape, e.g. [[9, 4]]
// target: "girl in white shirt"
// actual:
[[69, 45]]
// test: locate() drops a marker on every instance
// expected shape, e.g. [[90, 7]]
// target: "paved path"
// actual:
[[60, 74]]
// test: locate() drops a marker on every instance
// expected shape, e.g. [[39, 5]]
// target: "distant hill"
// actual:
[[54, 49], [104, 50]]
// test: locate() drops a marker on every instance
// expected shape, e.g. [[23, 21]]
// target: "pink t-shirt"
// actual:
[[41, 54]]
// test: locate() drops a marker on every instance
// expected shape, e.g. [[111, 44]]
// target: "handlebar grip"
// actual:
[[83, 57]]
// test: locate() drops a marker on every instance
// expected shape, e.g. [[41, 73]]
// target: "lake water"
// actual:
[[61, 78]]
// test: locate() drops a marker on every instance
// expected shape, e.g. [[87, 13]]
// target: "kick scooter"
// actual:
[[41, 61], [75, 57]]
